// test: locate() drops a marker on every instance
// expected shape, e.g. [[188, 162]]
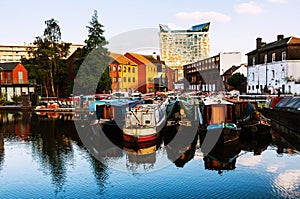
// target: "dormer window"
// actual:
[[283, 56], [273, 57], [266, 58]]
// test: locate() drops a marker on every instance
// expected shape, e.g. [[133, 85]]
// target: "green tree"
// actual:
[[236, 80], [92, 63], [47, 64]]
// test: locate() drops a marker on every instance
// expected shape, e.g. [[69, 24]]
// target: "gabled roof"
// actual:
[[141, 58], [153, 60], [231, 70], [277, 44], [8, 66], [121, 59]]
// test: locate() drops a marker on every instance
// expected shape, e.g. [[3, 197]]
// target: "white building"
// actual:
[[274, 66]]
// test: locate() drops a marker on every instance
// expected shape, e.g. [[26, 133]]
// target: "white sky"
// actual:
[[235, 24]]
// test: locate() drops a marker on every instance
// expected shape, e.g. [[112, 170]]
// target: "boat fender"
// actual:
[[230, 126]]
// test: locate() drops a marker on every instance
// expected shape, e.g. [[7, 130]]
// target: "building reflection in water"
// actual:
[[16, 124], [54, 142], [51, 139], [1, 149]]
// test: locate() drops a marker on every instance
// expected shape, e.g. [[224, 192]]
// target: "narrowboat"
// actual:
[[144, 122], [218, 120]]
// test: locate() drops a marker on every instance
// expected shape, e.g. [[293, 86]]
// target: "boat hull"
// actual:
[[289, 119], [140, 134]]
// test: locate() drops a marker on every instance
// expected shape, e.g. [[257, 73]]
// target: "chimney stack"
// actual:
[[279, 37], [258, 42]]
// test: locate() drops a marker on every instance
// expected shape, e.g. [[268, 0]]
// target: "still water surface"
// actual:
[[43, 157]]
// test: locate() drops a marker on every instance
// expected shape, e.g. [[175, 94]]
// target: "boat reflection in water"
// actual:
[[256, 143], [287, 140], [141, 155], [223, 156], [180, 142], [101, 143]]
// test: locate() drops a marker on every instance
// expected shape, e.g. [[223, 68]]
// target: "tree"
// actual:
[[47, 63], [92, 63], [236, 80]]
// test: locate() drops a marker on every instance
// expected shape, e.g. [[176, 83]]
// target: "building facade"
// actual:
[[14, 80], [181, 47], [14, 53], [147, 71], [274, 66], [123, 73], [206, 75], [164, 79]]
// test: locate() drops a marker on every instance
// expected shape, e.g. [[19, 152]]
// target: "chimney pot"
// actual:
[[279, 37], [258, 42]]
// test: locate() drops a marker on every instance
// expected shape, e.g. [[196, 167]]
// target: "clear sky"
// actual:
[[235, 24]]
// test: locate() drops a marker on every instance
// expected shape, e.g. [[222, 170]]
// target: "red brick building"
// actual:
[[14, 79]]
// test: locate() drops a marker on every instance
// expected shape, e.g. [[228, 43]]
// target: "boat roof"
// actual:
[[214, 101], [289, 102]]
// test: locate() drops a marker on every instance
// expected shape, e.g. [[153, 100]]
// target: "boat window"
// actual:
[[208, 115], [229, 114]]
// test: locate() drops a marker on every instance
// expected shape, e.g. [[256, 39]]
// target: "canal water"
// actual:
[[42, 156]]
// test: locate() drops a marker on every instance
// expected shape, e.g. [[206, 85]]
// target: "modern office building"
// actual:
[[181, 47], [14, 53]]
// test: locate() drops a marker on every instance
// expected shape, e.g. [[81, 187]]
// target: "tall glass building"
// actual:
[[181, 47]]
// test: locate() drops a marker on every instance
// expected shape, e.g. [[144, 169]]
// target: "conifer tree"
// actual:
[[92, 64]]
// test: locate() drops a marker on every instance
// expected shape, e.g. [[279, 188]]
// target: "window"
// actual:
[[9, 76], [273, 74], [273, 57], [129, 79], [133, 70], [115, 79], [133, 79], [119, 80], [253, 77], [129, 69], [119, 68], [114, 68], [249, 88], [253, 61], [266, 58], [124, 69], [124, 79], [283, 55]]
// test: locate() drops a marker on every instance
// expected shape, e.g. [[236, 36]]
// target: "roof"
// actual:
[[231, 70], [153, 60], [196, 28], [121, 59], [8, 66], [141, 58], [277, 44]]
